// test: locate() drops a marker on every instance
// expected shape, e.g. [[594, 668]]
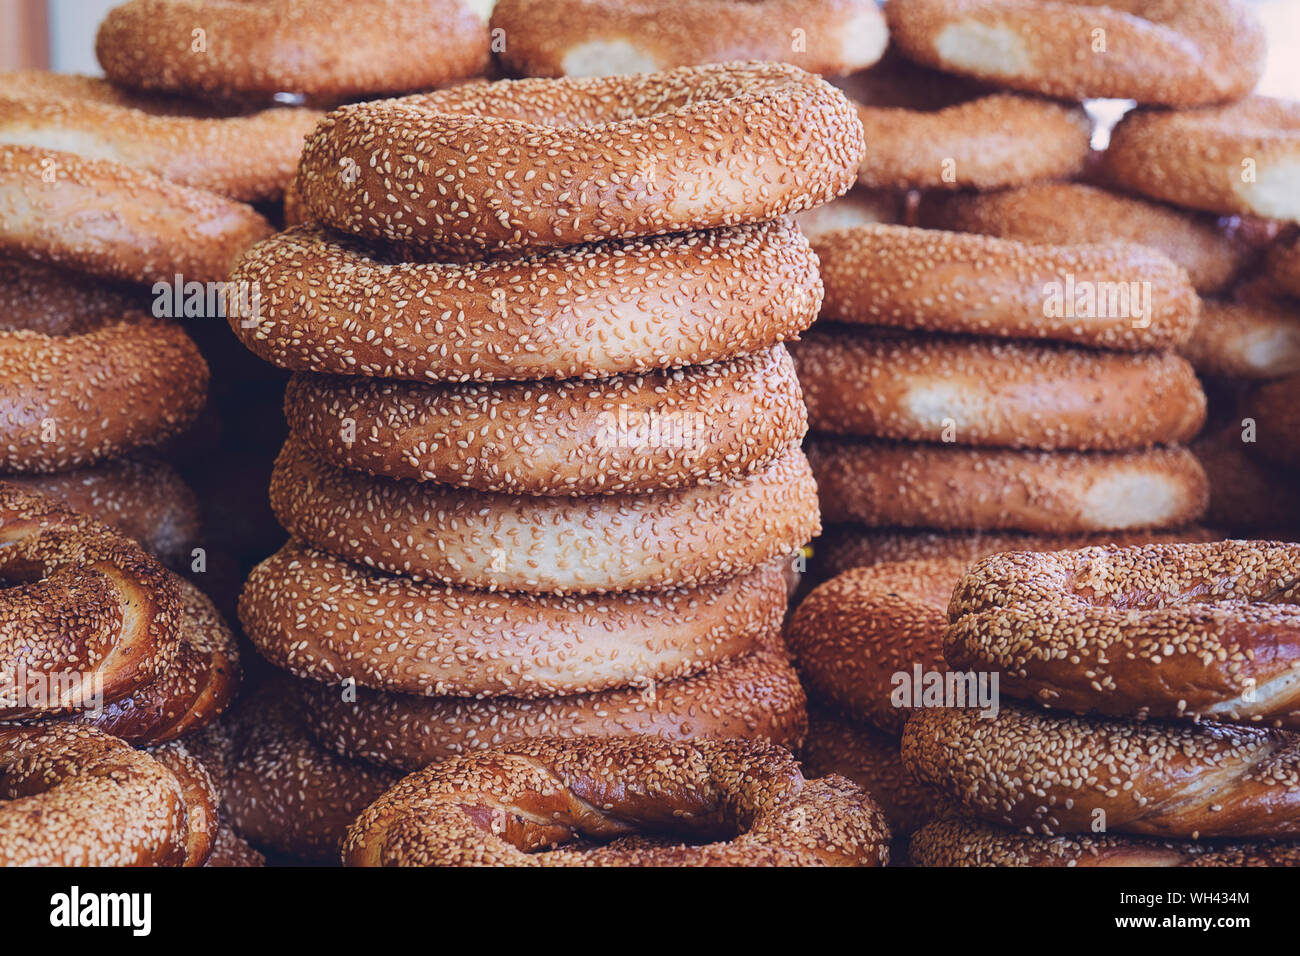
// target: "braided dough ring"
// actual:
[[949, 488], [549, 792], [322, 618], [1242, 158], [584, 312], [1173, 631], [1032, 213], [95, 618], [755, 697], [280, 789], [327, 48], [1275, 408], [99, 389], [500, 167], [935, 281], [194, 688], [559, 545], [1170, 52], [143, 498], [843, 547], [1048, 774], [854, 632], [247, 157], [995, 394], [872, 761], [594, 38], [634, 433], [960, 841], [117, 222], [73, 796]]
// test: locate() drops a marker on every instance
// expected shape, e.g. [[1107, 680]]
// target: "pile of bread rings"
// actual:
[[541, 288]]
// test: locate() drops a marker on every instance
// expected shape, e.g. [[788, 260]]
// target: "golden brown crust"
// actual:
[[948, 488], [1233, 159], [94, 618], [936, 281], [332, 48], [73, 796], [1170, 631], [319, 617], [202, 817], [1170, 780], [990, 142], [1274, 408], [558, 545], [1171, 52], [846, 546], [994, 394], [35, 297], [110, 220], [626, 434], [1245, 340], [871, 760], [852, 634], [743, 803], [757, 697], [73, 400], [961, 841], [281, 790], [1033, 213], [586, 311], [559, 162], [246, 157], [594, 38], [194, 688], [143, 498]]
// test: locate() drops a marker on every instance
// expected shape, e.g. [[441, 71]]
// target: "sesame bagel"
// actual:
[[1168, 780], [590, 311], [1274, 408], [933, 131], [319, 617], [1245, 340], [846, 546], [634, 433], [593, 38], [75, 796], [1114, 295], [195, 687], [1171, 631], [74, 399], [598, 543], [1241, 158], [248, 157], [948, 488], [566, 161], [202, 812], [281, 790], [755, 697], [961, 841], [994, 394], [94, 618], [872, 761], [1033, 214], [118, 222], [550, 792], [143, 498], [1180, 53], [852, 634], [326, 48]]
